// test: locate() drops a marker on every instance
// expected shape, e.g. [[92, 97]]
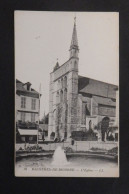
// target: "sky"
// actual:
[[42, 37]]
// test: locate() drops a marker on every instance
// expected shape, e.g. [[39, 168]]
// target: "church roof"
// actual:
[[104, 101], [94, 87]]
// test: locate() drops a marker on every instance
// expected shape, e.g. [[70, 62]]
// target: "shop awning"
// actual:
[[27, 131]]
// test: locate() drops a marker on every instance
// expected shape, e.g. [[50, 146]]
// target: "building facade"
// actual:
[[27, 103], [78, 103]]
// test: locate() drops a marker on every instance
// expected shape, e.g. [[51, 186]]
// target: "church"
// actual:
[[78, 103]]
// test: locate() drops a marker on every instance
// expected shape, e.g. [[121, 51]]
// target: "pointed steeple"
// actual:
[[74, 41], [74, 49], [56, 66]]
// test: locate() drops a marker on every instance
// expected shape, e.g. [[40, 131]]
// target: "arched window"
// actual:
[[57, 97], [58, 84], [54, 114], [65, 82], [75, 64], [62, 82], [65, 95], [61, 96]]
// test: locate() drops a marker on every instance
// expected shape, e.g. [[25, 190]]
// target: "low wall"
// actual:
[[78, 145]]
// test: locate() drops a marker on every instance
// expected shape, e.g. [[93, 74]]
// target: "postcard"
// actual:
[[66, 94]]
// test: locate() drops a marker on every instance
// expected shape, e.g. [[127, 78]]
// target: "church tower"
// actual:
[[63, 94], [73, 82]]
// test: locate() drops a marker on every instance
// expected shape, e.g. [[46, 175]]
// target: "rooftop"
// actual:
[[104, 101], [95, 87], [20, 87]]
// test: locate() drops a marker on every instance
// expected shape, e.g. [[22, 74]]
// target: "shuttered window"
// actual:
[[23, 102], [23, 116], [33, 104], [32, 117]]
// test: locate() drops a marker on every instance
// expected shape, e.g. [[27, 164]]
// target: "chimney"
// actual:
[[27, 86]]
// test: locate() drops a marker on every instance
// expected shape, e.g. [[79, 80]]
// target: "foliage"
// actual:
[[25, 125], [81, 135], [68, 150], [113, 150]]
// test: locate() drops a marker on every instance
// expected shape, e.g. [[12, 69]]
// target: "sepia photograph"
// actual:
[[66, 94]]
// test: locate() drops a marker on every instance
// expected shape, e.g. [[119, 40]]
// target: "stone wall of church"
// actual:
[[72, 96], [79, 112], [94, 107], [106, 110], [61, 120], [64, 69], [63, 99], [50, 126]]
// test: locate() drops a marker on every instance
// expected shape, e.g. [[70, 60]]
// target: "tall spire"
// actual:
[[74, 41], [74, 49]]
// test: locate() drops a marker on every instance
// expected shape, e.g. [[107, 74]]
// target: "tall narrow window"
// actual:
[[23, 116], [65, 82], [61, 96], [33, 104], [32, 117], [62, 82], [75, 64], [57, 97], [23, 102], [65, 95], [58, 84]]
